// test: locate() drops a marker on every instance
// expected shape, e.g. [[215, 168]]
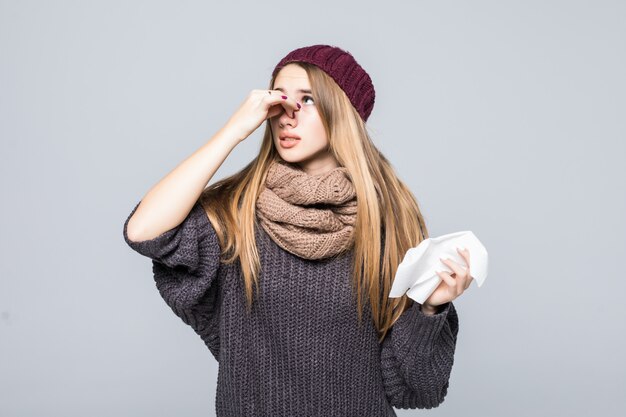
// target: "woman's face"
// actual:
[[310, 151]]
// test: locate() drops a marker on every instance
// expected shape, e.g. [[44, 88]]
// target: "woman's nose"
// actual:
[[286, 119]]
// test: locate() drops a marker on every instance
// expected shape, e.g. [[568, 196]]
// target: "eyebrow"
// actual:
[[299, 91]]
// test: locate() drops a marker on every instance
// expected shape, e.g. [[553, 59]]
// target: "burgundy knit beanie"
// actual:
[[343, 68]]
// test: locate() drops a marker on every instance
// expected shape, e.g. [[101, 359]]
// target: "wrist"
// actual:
[[233, 133]]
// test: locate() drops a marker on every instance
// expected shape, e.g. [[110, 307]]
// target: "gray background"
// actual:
[[504, 118]]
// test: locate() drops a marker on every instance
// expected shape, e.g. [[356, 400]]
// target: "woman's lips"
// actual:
[[286, 135], [288, 142]]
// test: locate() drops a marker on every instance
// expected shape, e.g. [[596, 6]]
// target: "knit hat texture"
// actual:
[[343, 68]]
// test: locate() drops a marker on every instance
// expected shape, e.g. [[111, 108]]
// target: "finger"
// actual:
[[447, 279], [290, 105], [458, 270], [459, 281], [468, 283], [463, 278], [465, 254]]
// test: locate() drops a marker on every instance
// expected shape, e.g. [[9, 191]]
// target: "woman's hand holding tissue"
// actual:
[[418, 277], [451, 286]]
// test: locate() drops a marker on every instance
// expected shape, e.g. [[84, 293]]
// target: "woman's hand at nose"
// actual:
[[259, 106]]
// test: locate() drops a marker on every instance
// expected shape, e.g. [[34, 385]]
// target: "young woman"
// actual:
[[284, 268]]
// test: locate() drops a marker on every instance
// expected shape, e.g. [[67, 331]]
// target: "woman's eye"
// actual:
[[304, 98]]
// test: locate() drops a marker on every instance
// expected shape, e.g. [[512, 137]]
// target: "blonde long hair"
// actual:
[[388, 214]]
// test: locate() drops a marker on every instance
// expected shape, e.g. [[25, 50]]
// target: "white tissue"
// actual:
[[416, 274]]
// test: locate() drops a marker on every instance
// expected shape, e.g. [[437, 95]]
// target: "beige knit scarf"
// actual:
[[312, 216]]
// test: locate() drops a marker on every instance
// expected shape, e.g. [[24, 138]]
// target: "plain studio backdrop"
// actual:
[[504, 118]]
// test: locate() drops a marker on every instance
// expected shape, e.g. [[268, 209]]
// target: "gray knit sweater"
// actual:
[[301, 351]]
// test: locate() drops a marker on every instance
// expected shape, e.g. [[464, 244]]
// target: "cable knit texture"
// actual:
[[312, 216], [301, 350]]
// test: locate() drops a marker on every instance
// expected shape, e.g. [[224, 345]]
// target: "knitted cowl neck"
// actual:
[[311, 216]]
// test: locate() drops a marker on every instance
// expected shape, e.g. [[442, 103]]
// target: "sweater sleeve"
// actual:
[[417, 356], [185, 263]]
